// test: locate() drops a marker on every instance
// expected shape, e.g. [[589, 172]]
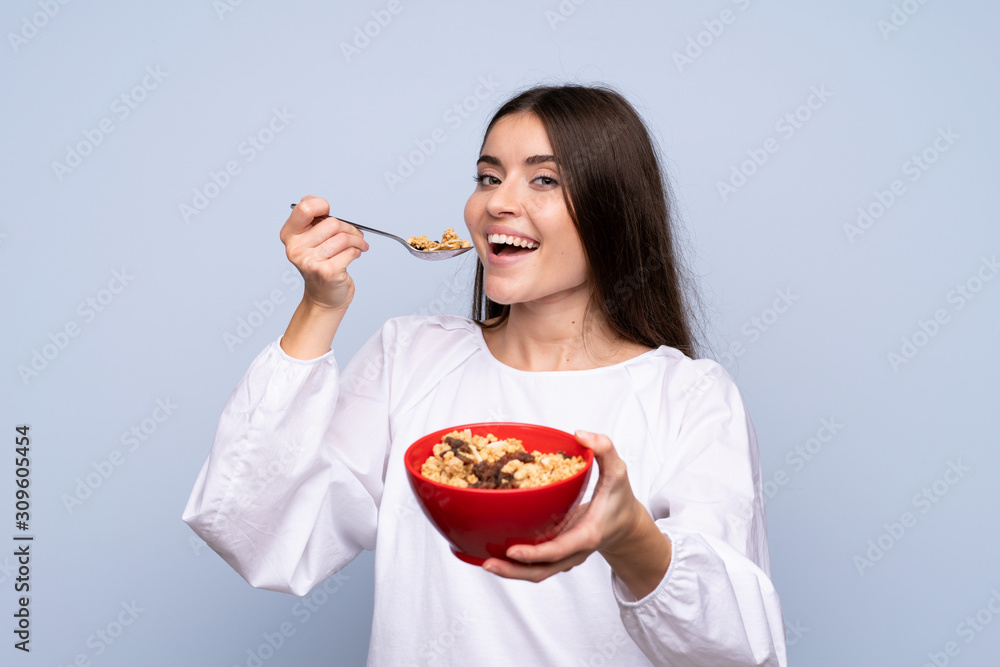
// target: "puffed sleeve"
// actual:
[[716, 604], [290, 491]]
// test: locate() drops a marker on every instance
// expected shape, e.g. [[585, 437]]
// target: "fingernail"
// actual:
[[585, 434]]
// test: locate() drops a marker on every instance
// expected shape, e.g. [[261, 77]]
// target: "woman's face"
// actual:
[[520, 226]]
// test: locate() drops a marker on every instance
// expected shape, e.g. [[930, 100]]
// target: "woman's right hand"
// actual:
[[321, 249]]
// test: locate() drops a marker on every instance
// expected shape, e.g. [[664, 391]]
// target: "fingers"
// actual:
[[598, 442], [310, 207], [509, 570], [310, 236], [337, 244], [587, 531], [584, 537], [303, 215], [328, 259], [323, 230], [604, 451]]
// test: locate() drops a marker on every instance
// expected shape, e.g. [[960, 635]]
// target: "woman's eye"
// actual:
[[547, 180], [487, 179]]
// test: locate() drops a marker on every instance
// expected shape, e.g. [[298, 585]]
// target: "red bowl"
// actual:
[[483, 523]]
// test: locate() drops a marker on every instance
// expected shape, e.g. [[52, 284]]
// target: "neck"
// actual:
[[557, 337]]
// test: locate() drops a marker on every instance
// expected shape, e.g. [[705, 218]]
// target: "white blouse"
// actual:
[[307, 470]]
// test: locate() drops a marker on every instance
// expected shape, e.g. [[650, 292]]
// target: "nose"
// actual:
[[504, 200]]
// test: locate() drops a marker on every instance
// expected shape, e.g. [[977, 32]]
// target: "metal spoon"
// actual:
[[429, 255]]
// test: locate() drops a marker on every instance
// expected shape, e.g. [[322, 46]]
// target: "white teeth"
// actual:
[[512, 240]]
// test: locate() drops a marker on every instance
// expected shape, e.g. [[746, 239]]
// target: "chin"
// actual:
[[504, 297]]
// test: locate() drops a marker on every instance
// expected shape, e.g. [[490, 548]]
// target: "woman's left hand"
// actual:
[[614, 523]]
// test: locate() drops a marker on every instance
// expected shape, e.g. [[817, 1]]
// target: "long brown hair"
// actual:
[[618, 199]]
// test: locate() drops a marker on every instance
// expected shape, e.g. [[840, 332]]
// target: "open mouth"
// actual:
[[501, 244]]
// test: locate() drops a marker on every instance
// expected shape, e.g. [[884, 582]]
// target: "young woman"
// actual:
[[579, 323]]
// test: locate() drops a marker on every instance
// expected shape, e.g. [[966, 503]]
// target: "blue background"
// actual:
[[880, 554]]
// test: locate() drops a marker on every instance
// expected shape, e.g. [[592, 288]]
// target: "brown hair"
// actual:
[[618, 199]]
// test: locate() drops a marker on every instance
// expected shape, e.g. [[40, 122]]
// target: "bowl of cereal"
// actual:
[[491, 485]]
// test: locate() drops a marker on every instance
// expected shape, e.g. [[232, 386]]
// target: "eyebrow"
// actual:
[[530, 161]]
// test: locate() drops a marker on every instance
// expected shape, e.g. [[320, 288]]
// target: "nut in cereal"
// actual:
[[486, 462]]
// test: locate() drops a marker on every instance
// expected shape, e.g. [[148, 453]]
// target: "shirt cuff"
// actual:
[[624, 597], [277, 349]]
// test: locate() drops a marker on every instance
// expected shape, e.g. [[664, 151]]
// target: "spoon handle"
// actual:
[[428, 255], [368, 229], [374, 231]]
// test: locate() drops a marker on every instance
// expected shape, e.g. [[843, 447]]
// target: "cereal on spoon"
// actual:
[[449, 241]]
